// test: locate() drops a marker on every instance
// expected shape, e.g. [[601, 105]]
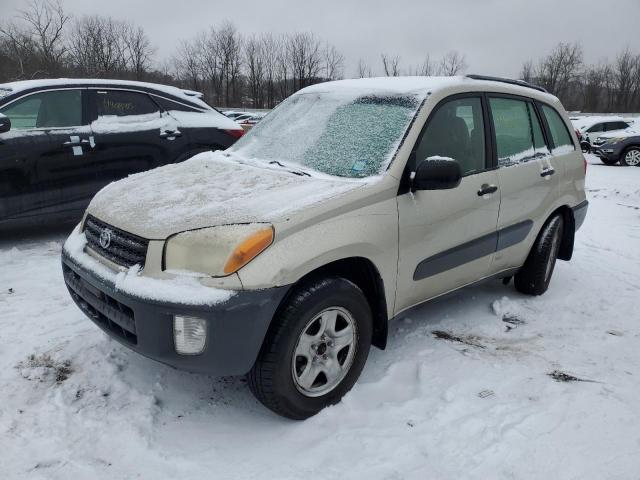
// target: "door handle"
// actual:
[[76, 143], [547, 172], [487, 189], [170, 133]]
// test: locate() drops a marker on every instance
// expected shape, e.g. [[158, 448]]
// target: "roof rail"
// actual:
[[510, 81]]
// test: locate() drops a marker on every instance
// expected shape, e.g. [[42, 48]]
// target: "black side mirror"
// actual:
[[5, 124], [437, 174]]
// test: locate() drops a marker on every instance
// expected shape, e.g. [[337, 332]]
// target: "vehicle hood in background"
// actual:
[[210, 189]]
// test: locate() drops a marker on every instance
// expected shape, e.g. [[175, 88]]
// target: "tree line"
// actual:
[[236, 70]]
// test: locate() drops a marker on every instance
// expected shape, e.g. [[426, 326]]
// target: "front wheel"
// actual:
[[535, 275], [315, 349], [606, 161], [631, 157]]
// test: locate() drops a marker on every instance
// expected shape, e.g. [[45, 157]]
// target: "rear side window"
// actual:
[[518, 132], [53, 109], [559, 132], [169, 105], [616, 126], [456, 131], [122, 103]]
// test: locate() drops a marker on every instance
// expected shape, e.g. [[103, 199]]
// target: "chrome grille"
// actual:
[[122, 248]]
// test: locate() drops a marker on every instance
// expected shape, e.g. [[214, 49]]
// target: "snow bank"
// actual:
[[183, 289]]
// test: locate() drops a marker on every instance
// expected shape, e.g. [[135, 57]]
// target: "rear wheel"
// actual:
[[535, 275], [631, 157], [315, 350]]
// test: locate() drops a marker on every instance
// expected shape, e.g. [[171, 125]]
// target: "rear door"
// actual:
[[131, 134], [447, 237], [43, 158], [529, 176]]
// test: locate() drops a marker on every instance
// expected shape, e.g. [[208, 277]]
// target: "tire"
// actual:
[[280, 377], [585, 147], [630, 157], [534, 276], [606, 161]]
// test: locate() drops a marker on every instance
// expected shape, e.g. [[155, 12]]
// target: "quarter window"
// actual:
[[456, 131], [123, 103], [518, 132], [53, 109], [559, 132]]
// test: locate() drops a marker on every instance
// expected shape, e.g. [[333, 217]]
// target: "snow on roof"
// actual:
[[417, 84], [191, 96]]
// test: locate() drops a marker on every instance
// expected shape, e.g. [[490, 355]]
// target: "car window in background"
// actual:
[[559, 132], [53, 109], [597, 128], [122, 103], [342, 134], [169, 105], [456, 131], [518, 133]]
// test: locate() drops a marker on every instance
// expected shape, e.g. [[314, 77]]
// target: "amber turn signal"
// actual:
[[248, 250]]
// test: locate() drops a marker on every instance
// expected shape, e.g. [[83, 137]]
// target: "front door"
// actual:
[[43, 156], [447, 237]]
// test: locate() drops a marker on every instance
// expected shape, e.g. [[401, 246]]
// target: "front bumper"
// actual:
[[608, 152], [235, 328]]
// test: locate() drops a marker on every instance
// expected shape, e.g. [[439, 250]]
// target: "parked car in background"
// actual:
[[622, 147], [62, 140], [233, 114], [589, 129], [285, 256]]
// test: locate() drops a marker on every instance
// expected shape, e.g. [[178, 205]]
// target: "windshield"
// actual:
[[335, 133]]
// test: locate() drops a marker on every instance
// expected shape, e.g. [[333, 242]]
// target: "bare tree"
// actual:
[[528, 74], [391, 65], [36, 40], [305, 57], [255, 60], [364, 70], [452, 63], [333, 62], [562, 67], [137, 49], [426, 68]]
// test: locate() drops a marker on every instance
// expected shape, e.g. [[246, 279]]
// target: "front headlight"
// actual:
[[613, 140], [217, 251]]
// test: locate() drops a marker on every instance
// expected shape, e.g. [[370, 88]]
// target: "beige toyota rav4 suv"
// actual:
[[285, 256]]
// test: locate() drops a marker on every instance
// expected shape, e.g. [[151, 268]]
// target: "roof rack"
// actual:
[[510, 81]]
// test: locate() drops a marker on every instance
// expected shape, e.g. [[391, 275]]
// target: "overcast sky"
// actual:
[[495, 35]]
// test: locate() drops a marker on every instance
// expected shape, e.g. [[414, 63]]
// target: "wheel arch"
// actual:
[[363, 273], [568, 232]]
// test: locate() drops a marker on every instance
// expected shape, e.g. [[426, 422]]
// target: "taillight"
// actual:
[[235, 133], [578, 134]]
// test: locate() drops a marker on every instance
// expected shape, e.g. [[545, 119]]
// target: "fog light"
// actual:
[[190, 334]]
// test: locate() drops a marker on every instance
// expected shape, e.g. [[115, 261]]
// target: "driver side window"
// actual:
[[456, 131]]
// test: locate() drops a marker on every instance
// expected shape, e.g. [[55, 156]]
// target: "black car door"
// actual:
[[131, 134], [43, 163]]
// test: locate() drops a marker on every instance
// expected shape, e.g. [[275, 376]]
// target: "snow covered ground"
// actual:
[[473, 400]]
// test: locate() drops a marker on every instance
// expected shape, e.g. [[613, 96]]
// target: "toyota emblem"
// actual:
[[105, 238]]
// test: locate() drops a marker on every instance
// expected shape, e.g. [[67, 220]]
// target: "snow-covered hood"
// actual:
[[207, 190], [627, 133]]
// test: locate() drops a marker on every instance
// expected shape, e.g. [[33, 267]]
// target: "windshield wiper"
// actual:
[[295, 172]]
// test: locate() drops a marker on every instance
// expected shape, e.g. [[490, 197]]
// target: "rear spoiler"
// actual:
[[191, 93]]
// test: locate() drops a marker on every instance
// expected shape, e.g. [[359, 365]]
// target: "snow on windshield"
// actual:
[[4, 92], [342, 134]]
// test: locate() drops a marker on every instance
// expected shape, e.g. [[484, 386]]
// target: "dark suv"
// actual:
[[63, 140], [623, 148]]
